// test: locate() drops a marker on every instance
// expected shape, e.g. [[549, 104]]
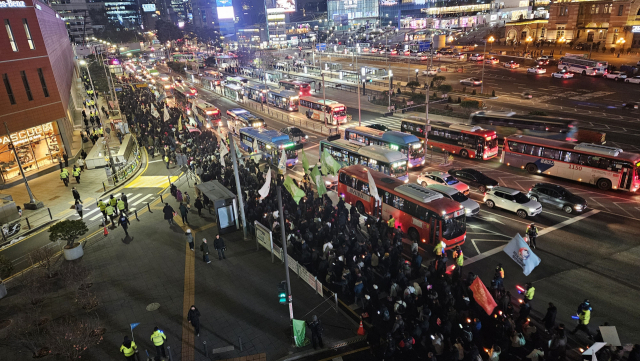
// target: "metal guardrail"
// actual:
[[27, 224]]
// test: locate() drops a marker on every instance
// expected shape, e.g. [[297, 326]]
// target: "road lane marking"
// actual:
[[475, 246], [142, 199]]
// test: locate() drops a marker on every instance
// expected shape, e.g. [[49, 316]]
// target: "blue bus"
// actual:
[[284, 99], [271, 143], [256, 91], [243, 118], [407, 144]]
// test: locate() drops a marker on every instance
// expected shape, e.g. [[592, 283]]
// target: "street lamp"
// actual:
[[562, 40], [416, 75], [491, 40], [484, 61], [526, 42]]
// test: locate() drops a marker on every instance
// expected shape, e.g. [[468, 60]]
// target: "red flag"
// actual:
[[482, 296]]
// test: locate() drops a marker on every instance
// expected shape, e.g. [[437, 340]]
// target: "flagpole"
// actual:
[[234, 159], [286, 260]]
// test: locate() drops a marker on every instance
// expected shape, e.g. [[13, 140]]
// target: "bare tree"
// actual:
[[78, 278], [34, 286], [45, 258], [29, 330], [70, 337]]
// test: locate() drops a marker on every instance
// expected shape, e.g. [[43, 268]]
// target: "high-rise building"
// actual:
[[37, 75], [75, 14], [124, 12]]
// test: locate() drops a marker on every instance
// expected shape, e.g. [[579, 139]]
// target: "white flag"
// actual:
[[223, 152], [282, 165], [166, 114], [373, 190], [264, 191], [154, 112], [256, 157], [521, 254]]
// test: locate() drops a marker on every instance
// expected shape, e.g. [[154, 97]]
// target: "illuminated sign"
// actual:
[[285, 6], [12, 4], [635, 29], [24, 136], [148, 8], [225, 9]]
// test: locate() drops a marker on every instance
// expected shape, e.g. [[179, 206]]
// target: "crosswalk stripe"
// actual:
[[96, 217], [129, 199], [142, 199], [92, 211]]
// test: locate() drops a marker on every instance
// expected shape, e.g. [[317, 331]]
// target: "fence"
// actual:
[[28, 224]]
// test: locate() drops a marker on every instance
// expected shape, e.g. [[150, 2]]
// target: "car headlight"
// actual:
[[327, 182], [490, 187], [578, 207]]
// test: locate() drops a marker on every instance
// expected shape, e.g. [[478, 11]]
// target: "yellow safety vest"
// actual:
[[121, 205], [392, 222], [529, 294], [102, 206], [64, 174], [76, 172], [158, 338], [101, 131], [129, 351], [113, 202], [109, 210]]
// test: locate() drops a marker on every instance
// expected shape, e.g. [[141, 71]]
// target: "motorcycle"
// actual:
[[9, 229]]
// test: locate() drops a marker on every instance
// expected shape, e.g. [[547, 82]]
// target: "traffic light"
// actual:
[[282, 292]]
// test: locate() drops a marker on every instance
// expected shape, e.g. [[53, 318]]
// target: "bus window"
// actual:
[[533, 150], [551, 153]]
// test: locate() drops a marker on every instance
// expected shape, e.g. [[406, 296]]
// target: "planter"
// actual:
[[73, 253], [3, 290]]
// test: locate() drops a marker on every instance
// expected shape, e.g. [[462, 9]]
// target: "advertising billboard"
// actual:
[[149, 8], [225, 9], [285, 6], [341, 19]]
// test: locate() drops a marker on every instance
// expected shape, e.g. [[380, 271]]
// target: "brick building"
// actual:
[[610, 23], [37, 68]]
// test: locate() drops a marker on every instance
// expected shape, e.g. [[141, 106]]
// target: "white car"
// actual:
[[432, 72], [438, 177], [615, 75], [471, 207], [511, 64], [476, 57], [471, 81], [536, 70], [562, 74], [512, 200], [635, 80]]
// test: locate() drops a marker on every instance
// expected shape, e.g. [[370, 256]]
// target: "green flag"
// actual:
[[296, 192], [299, 333], [329, 165], [305, 162], [317, 179]]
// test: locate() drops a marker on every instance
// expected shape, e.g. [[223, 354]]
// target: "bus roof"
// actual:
[[271, 135], [543, 118], [203, 104], [184, 90], [596, 149], [370, 151], [257, 86], [388, 136], [328, 102], [238, 111], [235, 87], [417, 194], [284, 93], [474, 129]]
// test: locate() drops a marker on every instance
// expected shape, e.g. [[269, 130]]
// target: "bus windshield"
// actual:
[[491, 143], [399, 167], [291, 153], [416, 150], [453, 227], [340, 112]]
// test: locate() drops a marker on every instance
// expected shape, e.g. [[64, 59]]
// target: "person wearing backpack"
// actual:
[[316, 332], [517, 343]]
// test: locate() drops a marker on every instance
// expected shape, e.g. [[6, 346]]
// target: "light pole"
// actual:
[[390, 86], [526, 44], [562, 40], [33, 202], [426, 109], [491, 39], [416, 75], [359, 81]]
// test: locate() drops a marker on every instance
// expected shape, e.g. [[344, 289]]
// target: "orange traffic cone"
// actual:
[[361, 329], [106, 233]]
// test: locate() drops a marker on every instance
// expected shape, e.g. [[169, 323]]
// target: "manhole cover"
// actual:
[[153, 306], [4, 324]]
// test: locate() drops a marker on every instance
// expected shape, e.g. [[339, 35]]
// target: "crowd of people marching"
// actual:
[[416, 312]]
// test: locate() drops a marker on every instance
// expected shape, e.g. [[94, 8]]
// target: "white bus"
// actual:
[[313, 108], [206, 114], [577, 64]]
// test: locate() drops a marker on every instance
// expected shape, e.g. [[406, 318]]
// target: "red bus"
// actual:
[[422, 213], [466, 140], [302, 88], [184, 96]]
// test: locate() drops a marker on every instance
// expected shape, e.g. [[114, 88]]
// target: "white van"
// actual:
[[471, 207]]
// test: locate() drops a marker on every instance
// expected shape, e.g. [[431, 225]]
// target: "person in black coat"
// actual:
[[168, 213], [316, 332], [550, 318], [194, 318], [218, 244], [124, 222], [198, 204]]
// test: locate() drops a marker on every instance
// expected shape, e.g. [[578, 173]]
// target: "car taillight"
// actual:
[[530, 189]]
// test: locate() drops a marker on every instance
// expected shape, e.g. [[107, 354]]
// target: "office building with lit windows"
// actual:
[[38, 73]]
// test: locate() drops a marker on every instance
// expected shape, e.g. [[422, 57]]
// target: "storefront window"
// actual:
[[36, 147]]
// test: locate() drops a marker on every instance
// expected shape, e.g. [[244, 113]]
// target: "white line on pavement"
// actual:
[[475, 246], [142, 199], [153, 161], [568, 222]]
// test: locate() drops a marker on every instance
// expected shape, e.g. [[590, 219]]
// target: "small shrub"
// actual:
[[464, 89], [612, 50], [6, 267], [449, 100], [399, 92], [445, 88], [432, 85], [470, 104]]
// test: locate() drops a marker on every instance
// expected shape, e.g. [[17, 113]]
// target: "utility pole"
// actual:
[[324, 101], [359, 81], [235, 173], [285, 256], [33, 202], [427, 124], [391, 86], [484, 55]]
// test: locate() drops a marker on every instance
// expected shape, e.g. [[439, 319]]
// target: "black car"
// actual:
[[557, 196], [379, 127], [295, 134], [474, 178]]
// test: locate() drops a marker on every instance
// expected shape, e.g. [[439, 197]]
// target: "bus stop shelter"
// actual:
[[224, 205]]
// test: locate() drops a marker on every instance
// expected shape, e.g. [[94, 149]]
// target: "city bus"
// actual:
[[407, 144], [233, 92], [238, 80], [303, 89], [581, 65], [605, 167], [313, 108], [271, 143], [256, 92], [387, 161], [509, 123], [284, 99], [469, 141], [184, 96], [425, 215], [166, 87], [206, 114], [184, 57], [243, 118]]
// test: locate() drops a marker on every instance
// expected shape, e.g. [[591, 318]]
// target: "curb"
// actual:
[[328, 348]]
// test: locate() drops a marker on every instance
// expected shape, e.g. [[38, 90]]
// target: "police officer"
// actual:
[[166, 160], [103, 206], [458, 257], [158, 338], [528, 295], [584, 316], [123, 197], [111, 213], [391, 224], [129, 349], [532, 233], [76, 173], [120, 206], [113, 202], [64, 175]]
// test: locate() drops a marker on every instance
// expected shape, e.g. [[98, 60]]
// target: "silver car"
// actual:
[[471, 207], [512, 200]]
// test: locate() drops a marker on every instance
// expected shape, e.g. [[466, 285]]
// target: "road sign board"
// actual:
[[118, 89], [141, 85]]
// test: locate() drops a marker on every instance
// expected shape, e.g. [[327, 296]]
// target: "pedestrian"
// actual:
[[316, 332], [129, 348], [113, 202], [124, 222], [199, 206], [110, 210], [123, 197], [76, 194], [194, 319], [66, 159], [550, 317], [103, 208], [183, 213], [168, 213], [528, 294], [178, 196], [187, 199], [584, 316], [76, 173], [158, 338], [204, 247], [189, 239], [120, 206], [166, 160], [532, 234], [78, 207], [64, 175], [218, 245], [634, 355]]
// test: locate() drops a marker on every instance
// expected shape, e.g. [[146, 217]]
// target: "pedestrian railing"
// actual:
[[27, 225]]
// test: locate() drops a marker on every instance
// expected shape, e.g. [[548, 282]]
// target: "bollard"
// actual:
[[204, 346], [169, 352], [149, 208], [104, 187], [335, 295], [49, 209], [161, 200], [240, 342], [28, 225], [136, 212]]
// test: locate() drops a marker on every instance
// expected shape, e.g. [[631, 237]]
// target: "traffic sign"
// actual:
[[141, 85], [118, 89]]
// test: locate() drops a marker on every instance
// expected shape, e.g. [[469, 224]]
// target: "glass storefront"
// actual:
[[356, 11], [37, 147]]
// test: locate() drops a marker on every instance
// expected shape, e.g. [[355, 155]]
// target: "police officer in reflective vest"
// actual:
[[458, 257], [113, 202], [158, 338], [528, 295], [103, 206], [128, 348], [76, 173], [64, 175], [120, 206], [532, 233], [111, 213]]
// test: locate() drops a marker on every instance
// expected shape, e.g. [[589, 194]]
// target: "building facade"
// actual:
[[37, 68], [124, 12], [75, 14]]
